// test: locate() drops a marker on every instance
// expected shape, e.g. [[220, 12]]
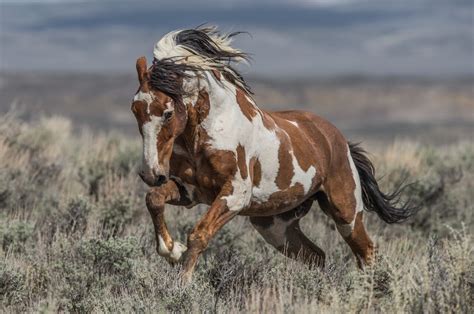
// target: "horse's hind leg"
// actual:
[[349, 223], [284, 233]]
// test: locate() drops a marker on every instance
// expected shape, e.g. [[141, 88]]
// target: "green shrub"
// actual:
[[15, 235], [63, 250], [111, 256], [74, 218], [115, 214], [91, 175], [12, 286]]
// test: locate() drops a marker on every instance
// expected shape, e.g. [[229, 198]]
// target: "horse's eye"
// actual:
[[167, 115]]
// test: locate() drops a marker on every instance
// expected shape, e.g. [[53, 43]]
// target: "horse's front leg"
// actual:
[[155, 202], [223, 209]]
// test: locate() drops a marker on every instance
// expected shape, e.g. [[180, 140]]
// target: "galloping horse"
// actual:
[[205, 141]]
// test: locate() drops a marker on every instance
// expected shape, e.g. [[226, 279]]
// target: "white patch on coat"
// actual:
[[294, 123], [241, 194], [228, 128], [358, 188], [191, 88], [305, 178], [146, 97], [150, 131]]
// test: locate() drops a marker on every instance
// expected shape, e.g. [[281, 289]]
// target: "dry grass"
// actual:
[[75, 236]]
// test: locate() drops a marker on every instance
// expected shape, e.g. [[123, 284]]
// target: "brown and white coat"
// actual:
[[214, 146]]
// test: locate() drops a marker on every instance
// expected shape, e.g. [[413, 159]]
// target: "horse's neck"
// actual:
[[227, 102], [220, 108]]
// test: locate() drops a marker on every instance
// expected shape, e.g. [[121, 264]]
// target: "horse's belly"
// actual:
[[277, 202]]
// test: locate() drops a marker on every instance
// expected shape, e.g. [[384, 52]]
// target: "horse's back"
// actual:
[[323, 139]]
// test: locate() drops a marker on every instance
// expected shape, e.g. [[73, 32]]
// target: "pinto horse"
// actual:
[[205, 141]]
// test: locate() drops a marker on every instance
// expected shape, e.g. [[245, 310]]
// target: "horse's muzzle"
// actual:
[[152, 180]]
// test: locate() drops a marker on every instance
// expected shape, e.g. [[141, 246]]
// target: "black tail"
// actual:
[[385, 205]]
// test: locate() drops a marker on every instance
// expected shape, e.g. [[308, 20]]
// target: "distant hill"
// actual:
[[364, 108]]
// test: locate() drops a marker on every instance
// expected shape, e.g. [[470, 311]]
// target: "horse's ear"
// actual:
[[141, 69]]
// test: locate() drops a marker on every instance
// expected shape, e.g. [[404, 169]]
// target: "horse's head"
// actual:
[[160, 120]]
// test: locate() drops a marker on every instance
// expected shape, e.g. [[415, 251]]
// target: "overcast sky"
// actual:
[[288, 38]]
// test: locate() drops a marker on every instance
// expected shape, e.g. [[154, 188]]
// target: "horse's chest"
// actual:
[[205, 174]]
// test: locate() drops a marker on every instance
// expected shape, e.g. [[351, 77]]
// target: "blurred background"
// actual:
[[380, 70]]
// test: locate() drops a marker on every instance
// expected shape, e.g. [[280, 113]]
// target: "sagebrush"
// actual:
[[75, 236]]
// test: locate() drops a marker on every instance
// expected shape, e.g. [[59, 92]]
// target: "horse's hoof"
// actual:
[[177, 251]]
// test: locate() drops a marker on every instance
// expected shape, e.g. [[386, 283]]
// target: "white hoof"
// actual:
[[178, 250], [162, 248]]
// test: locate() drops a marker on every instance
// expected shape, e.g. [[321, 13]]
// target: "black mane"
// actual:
[[167, 74]]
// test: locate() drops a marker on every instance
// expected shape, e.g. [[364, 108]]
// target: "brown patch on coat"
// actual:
[[212, 168], [360, 243], [217, 74], [248, 109], [278, 202], [311, 139], [241, 161], [156, 108], [285, 170], [340, 186], [300, 142], [202, 106], [255, 171], [291, 196]]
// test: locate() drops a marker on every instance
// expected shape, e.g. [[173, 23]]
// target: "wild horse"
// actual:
[[205, 141]]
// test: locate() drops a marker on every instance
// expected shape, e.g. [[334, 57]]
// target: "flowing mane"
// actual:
[[199, 49]]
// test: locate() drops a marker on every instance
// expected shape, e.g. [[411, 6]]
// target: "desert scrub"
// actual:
[[74, 218], [13, 290], [15, 235], [111, 256], [75, 236]]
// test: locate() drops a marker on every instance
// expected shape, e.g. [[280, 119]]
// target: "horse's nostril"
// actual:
[[141, 174], [160, 180]]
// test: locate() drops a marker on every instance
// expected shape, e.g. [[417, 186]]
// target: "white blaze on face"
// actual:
[[145, 97], [150, 132]]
